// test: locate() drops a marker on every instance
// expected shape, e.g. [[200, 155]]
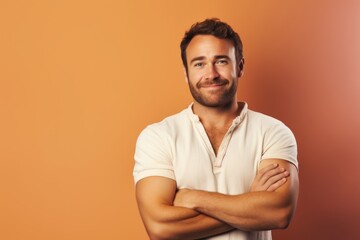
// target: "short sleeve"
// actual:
[[279, 142], [152, 156]]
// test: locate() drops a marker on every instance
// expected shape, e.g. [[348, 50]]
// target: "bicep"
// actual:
[[153, 193], [156, 189], [155, 196], [288, 192]]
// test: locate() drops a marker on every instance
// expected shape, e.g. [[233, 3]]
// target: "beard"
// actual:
[[214, 98]]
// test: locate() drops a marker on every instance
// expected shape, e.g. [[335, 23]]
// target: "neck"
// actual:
[[217, 116]]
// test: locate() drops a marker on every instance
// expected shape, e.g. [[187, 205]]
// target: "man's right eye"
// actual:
[[199, 64]]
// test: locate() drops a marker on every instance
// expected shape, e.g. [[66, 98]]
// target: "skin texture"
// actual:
[[250, 211], [212, 83], [164, 220], [169, 213]]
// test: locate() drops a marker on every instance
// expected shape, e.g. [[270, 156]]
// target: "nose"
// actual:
[[211, 72]]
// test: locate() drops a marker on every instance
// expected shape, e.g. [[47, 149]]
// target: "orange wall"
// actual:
[[80, 79]]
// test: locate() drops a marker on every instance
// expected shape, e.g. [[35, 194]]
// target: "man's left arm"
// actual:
[[252, 211]]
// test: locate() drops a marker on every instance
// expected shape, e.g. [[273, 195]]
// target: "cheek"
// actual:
[[228, 73], [195, 77]]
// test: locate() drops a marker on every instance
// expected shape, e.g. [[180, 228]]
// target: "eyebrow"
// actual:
[[202, 58]]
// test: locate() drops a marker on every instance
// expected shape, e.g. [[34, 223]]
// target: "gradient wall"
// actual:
[[80, 79]]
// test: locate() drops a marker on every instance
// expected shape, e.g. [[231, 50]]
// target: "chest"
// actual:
[[230, 171], [216, 137]]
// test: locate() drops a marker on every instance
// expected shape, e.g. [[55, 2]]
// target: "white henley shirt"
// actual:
[[179, 148]]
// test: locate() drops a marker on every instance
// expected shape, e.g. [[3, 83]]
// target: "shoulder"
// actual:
[[168, 127], [270, 127], [278, 141], [262, 119]]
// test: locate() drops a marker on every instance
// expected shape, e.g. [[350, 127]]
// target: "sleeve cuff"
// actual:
[[154, 172]]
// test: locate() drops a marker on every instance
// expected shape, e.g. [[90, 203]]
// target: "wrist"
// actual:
[[197, 198]]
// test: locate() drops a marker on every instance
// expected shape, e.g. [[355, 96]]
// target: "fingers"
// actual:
[[275, 181], [276, 185], [269, 178], [269, 172], [268, 168]]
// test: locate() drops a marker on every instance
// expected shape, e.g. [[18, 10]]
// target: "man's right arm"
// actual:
[[156, 190], [162, 220]]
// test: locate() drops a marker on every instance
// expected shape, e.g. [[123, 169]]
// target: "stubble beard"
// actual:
[[225, 99]]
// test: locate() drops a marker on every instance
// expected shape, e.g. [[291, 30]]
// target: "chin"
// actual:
[[215, 104]]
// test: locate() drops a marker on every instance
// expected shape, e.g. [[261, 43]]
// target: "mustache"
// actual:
[[216, 81]]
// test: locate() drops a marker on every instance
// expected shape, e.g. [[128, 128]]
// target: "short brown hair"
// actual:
[[216, 28]]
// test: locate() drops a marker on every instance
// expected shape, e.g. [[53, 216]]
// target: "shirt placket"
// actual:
[[225, 143], [206, 140], [217, 160]]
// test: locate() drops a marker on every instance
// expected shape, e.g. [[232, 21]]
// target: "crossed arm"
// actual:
[[193, 214]]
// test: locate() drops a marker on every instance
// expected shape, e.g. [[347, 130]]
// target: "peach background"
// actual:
[[80, 79]]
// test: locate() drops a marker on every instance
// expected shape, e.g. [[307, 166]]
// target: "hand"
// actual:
[[269, 178], [183, 198]]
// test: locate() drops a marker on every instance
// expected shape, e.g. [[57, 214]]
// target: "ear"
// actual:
[[186, 76], [240, 68]]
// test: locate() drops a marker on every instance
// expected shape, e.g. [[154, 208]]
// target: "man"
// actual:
[[216, 170]]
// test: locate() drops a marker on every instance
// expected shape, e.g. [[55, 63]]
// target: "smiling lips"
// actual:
[[213, 84]]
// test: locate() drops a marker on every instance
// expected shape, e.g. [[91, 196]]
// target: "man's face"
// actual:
[[212, 70]]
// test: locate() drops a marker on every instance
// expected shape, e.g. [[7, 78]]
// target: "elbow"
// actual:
[[284, 219], [158, 231], [283, 224], [155, 234]]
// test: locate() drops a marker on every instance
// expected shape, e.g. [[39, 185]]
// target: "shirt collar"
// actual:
[[236, 121]]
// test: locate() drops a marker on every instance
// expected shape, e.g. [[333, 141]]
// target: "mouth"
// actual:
[[213, 85]]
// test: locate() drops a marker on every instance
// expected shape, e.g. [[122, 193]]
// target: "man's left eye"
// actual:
[[222, 62]]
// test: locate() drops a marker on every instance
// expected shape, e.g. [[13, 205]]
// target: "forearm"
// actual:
[[169, 222], [250, 211], [163, 220], [259, 209]]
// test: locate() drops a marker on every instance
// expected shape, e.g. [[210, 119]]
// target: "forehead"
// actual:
[[209, 46]]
